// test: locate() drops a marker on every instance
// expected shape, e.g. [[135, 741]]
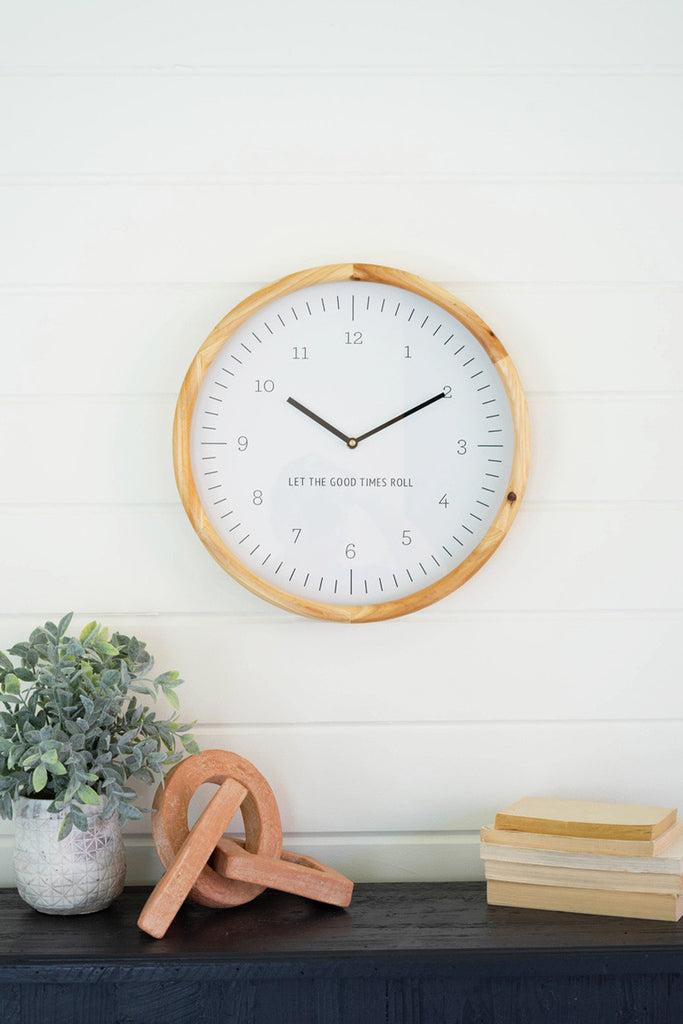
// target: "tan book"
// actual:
[[586, 818], [584, 844], [647, 905], [583, 878]]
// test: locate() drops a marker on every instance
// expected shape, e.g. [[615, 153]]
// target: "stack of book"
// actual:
[[620, 860]]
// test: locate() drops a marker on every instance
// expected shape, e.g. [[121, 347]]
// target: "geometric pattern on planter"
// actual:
[[79, 875]]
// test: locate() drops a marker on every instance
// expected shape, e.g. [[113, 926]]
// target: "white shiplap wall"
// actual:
[[161, 161]]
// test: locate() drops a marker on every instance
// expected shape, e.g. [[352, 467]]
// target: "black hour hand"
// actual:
[[323, 423]]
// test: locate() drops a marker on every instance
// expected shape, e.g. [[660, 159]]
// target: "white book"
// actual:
[[668, 862], [582, 878]]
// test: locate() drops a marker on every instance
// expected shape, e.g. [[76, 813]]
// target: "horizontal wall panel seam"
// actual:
[[266, 181], [425, 725], [347, 70], [134, 288]]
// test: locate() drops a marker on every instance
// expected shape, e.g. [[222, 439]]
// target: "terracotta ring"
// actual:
[[263, 831]]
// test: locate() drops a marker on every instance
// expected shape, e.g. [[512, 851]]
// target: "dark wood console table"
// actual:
[[400, 954]]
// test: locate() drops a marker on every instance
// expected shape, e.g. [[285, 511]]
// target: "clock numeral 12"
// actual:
[[354, 338]]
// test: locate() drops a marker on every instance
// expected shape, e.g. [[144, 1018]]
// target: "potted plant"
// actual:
[[72, 733]]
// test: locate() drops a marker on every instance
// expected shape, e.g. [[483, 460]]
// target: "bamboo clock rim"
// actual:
[[184, 412]]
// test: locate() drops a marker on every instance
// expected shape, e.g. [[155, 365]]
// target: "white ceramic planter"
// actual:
[[79, 875]]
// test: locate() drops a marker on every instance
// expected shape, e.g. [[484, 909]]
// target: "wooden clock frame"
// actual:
[[183, 422]]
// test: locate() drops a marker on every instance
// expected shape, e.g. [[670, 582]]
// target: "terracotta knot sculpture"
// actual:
[[212, 869]]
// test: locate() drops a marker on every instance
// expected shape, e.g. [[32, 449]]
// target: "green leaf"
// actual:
[[168, 679], [12, 684], [88, 631], [190, 744], [39, 779], [64, 623], [25, 674], [80, 819], [67, 825], [172, 698], [57, 769], [103, 647], [88, 796], [19, 650], [5, 662]]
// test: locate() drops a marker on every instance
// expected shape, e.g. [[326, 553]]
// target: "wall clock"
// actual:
[[351, 443]]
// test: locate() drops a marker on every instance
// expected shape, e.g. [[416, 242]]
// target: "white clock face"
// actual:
[[351, 443]]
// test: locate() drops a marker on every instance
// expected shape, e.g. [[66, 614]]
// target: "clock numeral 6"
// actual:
[[265, 385], [350, 551]]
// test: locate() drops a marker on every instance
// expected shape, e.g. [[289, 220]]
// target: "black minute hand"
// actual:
[[320, 420], [401, 416]]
